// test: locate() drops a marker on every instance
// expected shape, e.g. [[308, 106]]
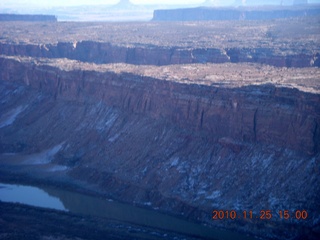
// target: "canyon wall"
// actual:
[[264, 113], [97, 52], [206, 14], [181, 148]]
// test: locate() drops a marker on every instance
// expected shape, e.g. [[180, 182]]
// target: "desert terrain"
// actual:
[[181, 118]]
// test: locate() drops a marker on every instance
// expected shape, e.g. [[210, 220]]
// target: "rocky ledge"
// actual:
[[283, 43]]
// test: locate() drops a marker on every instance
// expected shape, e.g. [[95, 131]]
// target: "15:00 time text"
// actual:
[[263, 214]]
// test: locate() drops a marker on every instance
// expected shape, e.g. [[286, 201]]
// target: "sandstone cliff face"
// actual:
[[264, 113], [96, 52], [182, 148]]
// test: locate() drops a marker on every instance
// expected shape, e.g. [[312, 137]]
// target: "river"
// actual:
[[73, 202]]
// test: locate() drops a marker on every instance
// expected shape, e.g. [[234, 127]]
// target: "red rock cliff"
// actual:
[[264, 113], [178, 144], [88, 51]]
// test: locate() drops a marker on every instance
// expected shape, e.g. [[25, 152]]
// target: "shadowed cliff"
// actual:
[[175, 145]]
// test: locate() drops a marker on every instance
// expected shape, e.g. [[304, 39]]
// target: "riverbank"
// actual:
[[93, 207], [25, 222]]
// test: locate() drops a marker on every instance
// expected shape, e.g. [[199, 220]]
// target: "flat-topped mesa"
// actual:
[[207, 13], [28, 17], [270, 2], [272, 106]]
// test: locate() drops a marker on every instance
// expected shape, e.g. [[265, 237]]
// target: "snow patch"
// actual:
[[107, 122], [237, 205], [174, 162], [43, 157], [58, 168], [51, 152], [112, 139], [9, 117], [266, 162], [144, 170], [214, 195], [201, 192], [274, 201]]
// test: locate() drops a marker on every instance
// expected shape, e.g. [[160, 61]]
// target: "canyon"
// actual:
[[184, 125], [151, 43]]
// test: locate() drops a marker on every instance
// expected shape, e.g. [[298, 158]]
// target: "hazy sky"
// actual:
[[50, 3], [4, 3]]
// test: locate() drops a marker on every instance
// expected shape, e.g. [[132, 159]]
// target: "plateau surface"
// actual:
[[283, 43]]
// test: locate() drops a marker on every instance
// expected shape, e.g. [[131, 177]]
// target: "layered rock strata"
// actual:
[[96, 52], [158, 137], [242, 113]]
